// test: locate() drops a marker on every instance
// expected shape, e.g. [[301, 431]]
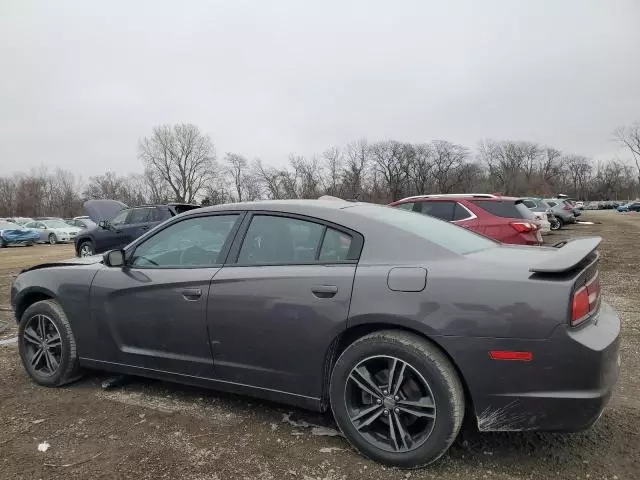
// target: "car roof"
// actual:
[[282, 205]]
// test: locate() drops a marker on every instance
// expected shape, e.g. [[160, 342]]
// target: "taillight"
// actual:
[[524, 227], [567, 207], [585, 300]]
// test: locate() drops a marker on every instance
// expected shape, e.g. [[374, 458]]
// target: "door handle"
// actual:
[[324, 291], [191, 293]]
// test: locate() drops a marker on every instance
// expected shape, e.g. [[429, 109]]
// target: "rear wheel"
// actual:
[[47, 345], [397, 399], [52, 239], [556, 224]]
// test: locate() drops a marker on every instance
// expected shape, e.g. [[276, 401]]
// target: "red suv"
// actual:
[[505, 219]]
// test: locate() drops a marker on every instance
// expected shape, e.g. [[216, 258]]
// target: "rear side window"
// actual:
[[529, 203], [139, 215], [120, 218], [461, 213], [276, 240], [504, 208], [438, 209], [551, 204]]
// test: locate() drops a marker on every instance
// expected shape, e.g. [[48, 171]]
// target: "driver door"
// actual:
[[151, 313]]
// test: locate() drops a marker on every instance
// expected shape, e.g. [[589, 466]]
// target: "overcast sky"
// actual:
[[81, 82]]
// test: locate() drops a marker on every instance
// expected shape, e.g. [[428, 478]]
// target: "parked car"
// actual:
[[20, 220], [504, 219], [629, 207], [561, 210], [13, 234], [117, 224], [54, 231], [81, 222], [304, 302], [543, 213]]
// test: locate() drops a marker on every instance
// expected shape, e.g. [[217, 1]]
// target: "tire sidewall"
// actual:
[[445, 426], [68, 358], [52, 239]]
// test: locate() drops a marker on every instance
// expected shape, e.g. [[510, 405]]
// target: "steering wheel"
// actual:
[[194, 255]]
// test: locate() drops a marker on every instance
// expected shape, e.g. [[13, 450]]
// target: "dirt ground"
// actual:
[[149, 429]]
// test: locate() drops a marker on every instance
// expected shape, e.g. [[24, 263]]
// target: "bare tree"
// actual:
[[357, 159], [236, 166], [629, 136], [182, 157], [333, 162], [421, 171], [448, 158], [393, 160]]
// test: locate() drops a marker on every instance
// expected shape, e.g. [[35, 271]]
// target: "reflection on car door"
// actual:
[[151, 313], [272, 313]]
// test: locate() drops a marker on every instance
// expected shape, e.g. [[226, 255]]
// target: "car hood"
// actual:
[[102, 209], [67, 263]]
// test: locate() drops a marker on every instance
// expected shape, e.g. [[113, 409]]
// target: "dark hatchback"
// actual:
[[119, 225]]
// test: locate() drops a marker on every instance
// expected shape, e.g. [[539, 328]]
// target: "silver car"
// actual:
[[54, 231]]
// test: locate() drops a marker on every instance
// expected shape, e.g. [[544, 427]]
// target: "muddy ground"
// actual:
[[150, 429]]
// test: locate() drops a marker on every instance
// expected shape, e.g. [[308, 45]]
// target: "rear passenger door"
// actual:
[[280, 299]]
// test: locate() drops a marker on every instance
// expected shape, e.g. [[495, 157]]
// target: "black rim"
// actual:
[[85, 250], [390, 404], [43, 345]]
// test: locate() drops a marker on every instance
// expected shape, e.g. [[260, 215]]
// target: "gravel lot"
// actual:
[[149, 429]]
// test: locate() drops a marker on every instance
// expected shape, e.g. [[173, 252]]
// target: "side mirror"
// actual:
[[114, 258], [103, 224]]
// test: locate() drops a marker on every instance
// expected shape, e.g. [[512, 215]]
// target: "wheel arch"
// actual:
[[29, 297], [79, 241], [353, 333]]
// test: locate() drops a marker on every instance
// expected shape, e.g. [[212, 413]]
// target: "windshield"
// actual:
[[56, 223], [445, 234], [4, 225]]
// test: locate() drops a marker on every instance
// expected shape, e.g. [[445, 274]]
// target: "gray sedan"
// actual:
[[54, 231], [396, 322]]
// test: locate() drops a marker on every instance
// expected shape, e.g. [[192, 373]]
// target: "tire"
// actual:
[[52, 239], [424, 362], [67, 369], [557, 225], [85, 249], [28, 244]]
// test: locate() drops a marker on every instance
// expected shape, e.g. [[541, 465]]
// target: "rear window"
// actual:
[[504, 208], [447, 235]]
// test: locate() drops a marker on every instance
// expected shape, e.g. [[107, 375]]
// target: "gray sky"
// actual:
[[81, 81]]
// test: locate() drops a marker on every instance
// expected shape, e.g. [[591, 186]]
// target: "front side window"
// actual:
[[120, 218], [405, 206], [194, 242]]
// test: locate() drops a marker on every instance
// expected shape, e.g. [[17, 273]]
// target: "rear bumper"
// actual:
[[565, 387]]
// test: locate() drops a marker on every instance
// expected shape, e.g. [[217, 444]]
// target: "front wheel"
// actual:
[[85, 249], [52, 239], [47, 345], [397, 399]]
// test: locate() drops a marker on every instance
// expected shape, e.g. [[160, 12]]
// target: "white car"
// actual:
[[54, 231], [541, 218]]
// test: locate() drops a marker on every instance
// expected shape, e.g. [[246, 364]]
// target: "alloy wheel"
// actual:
[[85, 250], [43, 344], [390, 403]]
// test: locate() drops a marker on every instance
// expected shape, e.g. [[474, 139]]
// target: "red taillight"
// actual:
[[523, 227], [585, 300], [510, 355], [567, 207]]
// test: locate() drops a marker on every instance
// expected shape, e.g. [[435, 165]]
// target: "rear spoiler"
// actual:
[[568, 255]]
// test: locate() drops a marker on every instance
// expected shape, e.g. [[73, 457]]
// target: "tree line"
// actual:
[[180, 164]]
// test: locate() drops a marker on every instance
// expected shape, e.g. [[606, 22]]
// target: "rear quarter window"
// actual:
[[504, 208]]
